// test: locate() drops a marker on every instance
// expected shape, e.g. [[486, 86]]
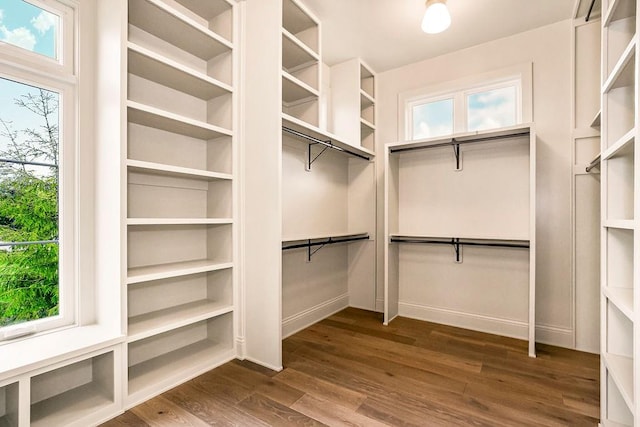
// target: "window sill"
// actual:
[[47, 349]]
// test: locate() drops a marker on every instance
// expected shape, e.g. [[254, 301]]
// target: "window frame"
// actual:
[[460, 88], [58, 76]]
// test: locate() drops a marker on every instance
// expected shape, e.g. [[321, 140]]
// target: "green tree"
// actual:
[[29, 212]]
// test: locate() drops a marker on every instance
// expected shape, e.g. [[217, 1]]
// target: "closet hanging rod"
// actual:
[[594, 164], [454, 142], [328, 241], [586, 19], [458, 241], [327, 143]]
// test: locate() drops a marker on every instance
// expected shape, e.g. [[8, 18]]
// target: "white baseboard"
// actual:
[[552, 335], [380, 305], [308, 317], [241, 347], [476, 322], [261, 363]]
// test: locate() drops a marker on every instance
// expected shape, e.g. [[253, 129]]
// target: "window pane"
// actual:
[[491, 109], [432, 119], [29, 148], [29, 27]]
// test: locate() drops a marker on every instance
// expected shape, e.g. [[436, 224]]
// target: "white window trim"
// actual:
[[58, 76], [459, 88]]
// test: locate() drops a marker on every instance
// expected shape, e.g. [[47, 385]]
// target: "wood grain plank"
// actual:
[[274, 413], [161, 412], [333, 415]]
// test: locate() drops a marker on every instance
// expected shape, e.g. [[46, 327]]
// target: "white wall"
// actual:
[[549, 49]]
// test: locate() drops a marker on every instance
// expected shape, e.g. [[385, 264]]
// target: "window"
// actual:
[[37, 167], [493, 100]]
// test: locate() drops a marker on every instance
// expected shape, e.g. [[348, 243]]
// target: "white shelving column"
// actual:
[[181, 192], [620, 211]]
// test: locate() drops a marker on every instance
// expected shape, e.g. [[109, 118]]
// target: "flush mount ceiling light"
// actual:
[[436, 17]]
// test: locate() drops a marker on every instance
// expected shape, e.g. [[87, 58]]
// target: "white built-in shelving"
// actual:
[[620, 323], [9, 404], [180, 191], [301, 63], [444, 236]]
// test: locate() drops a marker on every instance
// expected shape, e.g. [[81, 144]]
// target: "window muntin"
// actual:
[[433, 118]]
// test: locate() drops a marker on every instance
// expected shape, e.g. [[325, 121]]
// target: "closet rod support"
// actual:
[[328, 241], [456, 152], [586, 18], [454, 141], [309, 154]]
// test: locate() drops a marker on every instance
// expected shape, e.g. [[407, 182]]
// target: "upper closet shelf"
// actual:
[[161, 20], [207, 9], [595, 123], [621, 298], [295, 91], [156, 118], [179, 221], [290, 239], [152, 66], [367, 126], [621, 369], [623, 72], [366, 100], [619, 9], [462, 138], [312, 134], [622, 146], [295, 54], [175, 171], [176, 269]]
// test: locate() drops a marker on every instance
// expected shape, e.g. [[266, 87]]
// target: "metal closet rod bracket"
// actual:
[[315, 141], [321, 244]]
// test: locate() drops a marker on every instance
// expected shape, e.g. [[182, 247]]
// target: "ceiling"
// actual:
[[386, 34]]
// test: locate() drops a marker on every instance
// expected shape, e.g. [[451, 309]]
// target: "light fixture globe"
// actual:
[[436, 17]]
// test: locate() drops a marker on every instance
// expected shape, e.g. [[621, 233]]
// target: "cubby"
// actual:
[[9, 405], [157, 362], [73, 392]]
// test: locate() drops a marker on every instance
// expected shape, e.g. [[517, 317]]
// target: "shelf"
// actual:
[[301, 126], [176, 269], [70, 406], [160, 20], [152, 66], [622, 224], [208, 10], [295, 91], [623, 73], [366, 100], [288, 239], [296, 54], [294, 19], [462, 138], [179, 221], [365, 124], [622, 146], [622, 298], [154, 117], [176, 171], [619, 9], [157, 322], [621, 370]]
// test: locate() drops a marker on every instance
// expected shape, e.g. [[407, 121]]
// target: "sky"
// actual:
[[29, 27]]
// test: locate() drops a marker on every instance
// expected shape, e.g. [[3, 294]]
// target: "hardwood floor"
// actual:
[[351, 370]]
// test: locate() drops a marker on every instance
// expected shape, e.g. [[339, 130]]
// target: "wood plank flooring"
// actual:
[[350, 370]]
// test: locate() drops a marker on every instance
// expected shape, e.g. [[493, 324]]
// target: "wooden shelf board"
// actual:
[[207, 9], [302, 126], [295, 19], [623, 224], [159, 19], [623, 73], [516, 131], [619, 9], [178, 221], [295, 53], [595, 123], [622, 146], [176, 269], [367, 124], [157, 322], [295, 91], [152, 66], [156, 118], [622, 298], [366, 100], [70, 406], [365, 72], [288, 239], [175, 171], [621, 370], [178, 364]]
